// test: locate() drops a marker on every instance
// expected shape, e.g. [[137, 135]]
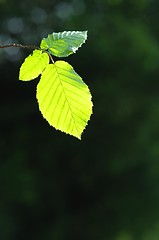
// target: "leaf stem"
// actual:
[[19, 45], [52, 60]]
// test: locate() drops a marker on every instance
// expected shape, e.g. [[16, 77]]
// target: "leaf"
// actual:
[[64, 99], [63, 44], [33, 65]]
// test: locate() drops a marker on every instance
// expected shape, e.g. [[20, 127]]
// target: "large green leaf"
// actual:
[[33, 65], [64, 43], [64, 99]]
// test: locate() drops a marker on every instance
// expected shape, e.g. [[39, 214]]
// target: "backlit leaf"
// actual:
[[64, 99], [62, 44], [33, 65]]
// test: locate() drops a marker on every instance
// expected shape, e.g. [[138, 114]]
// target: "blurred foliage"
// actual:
[[107, 185]]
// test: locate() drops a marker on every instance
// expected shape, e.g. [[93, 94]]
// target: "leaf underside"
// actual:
[[63, 44], [33, 65], [64, 99]]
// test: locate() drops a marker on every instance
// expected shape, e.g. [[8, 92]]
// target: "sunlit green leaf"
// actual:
[[64, 99], [33, 65], [64, 43]]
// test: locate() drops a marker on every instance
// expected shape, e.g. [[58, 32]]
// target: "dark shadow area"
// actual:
[[106, 186]]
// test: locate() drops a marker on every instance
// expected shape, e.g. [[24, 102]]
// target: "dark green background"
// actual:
[[105, 187]]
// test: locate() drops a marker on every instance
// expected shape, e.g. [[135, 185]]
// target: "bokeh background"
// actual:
[[105, 187]]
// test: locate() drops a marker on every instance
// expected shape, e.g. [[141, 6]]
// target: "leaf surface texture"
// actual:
[[33, 65], [62, 44], [64, 99]]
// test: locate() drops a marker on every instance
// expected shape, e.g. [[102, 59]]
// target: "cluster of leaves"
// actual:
[[64, 99]]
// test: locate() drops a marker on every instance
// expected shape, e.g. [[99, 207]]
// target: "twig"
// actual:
[[19, 45], [25, 46]]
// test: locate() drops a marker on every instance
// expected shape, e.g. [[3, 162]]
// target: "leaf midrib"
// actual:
[[56, 68]]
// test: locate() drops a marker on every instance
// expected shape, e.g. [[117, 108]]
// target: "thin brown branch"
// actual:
[[19, 45]]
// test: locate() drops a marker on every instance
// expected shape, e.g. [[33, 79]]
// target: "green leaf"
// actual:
[[64, 99], [33, 65], [63, 44]]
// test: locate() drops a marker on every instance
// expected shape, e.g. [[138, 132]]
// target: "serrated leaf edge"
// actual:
[[66, 132], [74, 49]]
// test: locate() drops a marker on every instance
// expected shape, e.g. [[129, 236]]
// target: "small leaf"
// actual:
[[64, 99], [33, 65], [63, 44]]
